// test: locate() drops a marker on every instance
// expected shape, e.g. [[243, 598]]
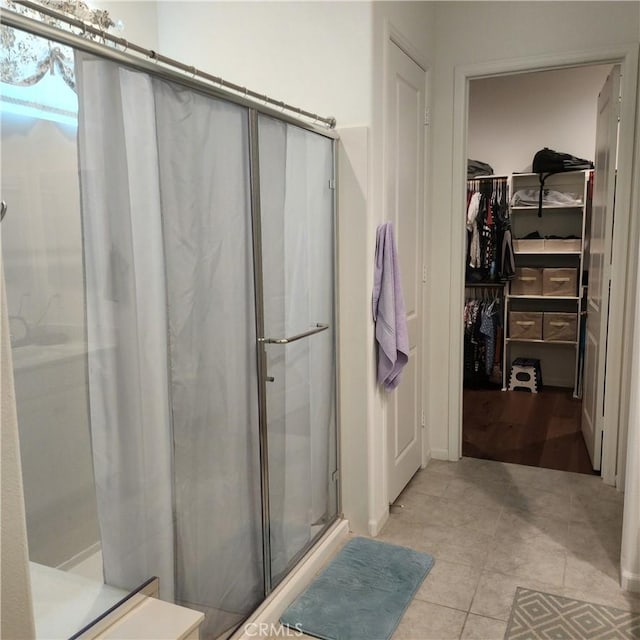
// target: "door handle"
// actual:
[[318, 328]]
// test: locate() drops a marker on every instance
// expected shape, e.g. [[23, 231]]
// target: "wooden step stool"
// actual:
[[525, 374]]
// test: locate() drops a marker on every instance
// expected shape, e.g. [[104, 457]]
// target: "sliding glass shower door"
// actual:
[[173, 382], [297, 236]]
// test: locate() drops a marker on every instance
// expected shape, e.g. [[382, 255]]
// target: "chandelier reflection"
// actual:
[[26, 59]]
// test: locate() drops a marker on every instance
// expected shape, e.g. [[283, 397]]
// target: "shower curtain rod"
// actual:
[[187, 75]]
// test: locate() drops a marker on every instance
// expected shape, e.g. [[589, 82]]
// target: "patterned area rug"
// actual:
[[537, 615]]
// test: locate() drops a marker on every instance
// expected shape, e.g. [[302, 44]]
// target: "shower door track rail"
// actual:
[[185, 75]]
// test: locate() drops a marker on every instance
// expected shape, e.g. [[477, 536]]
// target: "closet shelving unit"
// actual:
[[560, 359]]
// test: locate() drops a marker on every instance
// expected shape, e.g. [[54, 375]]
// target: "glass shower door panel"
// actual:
[[204, 175], [42, 252], [296, 169]]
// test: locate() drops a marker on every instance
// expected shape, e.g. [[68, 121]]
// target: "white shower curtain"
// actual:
[[126, 323], [204, 168], [171, 329]]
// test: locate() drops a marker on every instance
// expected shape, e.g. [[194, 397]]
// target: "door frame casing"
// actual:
[[394, 37], [606, 198], [625, 236]]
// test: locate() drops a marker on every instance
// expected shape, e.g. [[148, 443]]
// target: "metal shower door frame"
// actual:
[[261, 354]]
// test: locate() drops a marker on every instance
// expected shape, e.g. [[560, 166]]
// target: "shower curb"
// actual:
[[284, 594]]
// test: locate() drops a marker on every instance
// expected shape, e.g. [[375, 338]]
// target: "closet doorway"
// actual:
[[527, 270]]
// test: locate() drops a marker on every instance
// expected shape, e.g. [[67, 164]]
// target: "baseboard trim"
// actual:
[[440, 454], [630, 581], [293, 585], [80, 557], [376, 524]]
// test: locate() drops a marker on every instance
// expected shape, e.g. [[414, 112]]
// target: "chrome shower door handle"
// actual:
[[318, 328]]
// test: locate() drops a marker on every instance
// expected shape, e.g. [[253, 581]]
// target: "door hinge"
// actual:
[[422, 421], [619, 105], [335, 475], [427, 117], [424, 273], [332, 184]]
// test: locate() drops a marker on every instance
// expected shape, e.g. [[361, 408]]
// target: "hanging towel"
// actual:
[[388, 310]]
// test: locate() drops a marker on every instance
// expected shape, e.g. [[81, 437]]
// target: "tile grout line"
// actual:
[[566, 549], [464, 624], [482, 570], [484, 565]]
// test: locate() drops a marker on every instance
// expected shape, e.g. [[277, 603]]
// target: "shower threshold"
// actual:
[[296, 581]]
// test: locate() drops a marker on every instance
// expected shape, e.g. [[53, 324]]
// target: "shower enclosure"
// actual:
[[204, 289]]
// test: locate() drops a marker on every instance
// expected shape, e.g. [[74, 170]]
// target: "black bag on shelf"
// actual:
[[547, 162], [476, 168]]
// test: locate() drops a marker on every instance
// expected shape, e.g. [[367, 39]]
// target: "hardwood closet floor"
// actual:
[[540, 430]]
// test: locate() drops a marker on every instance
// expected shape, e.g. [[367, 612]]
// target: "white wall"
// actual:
[[511, 117], [138, 17], [42, 237], [315, 55], [16, 614], [629, 437], [43, 265], [475, 32]]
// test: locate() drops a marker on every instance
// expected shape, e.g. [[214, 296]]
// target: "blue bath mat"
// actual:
[[362, 593]]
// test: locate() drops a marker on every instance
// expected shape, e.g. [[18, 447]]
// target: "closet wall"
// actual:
[[512, 117]]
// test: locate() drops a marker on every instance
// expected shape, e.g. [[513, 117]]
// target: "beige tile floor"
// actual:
[[493, 527]]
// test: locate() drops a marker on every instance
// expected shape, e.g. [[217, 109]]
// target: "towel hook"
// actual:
[[3, 210]]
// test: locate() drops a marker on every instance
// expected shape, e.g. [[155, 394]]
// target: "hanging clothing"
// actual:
[[507, 261], [489, 246], [487, 328], [389, 313], [472, 226], [482, 339]]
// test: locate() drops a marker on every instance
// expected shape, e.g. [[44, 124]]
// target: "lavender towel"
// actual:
[[388, 310]]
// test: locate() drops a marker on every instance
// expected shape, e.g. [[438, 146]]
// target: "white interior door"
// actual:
[[600, 266], [404, 120]]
